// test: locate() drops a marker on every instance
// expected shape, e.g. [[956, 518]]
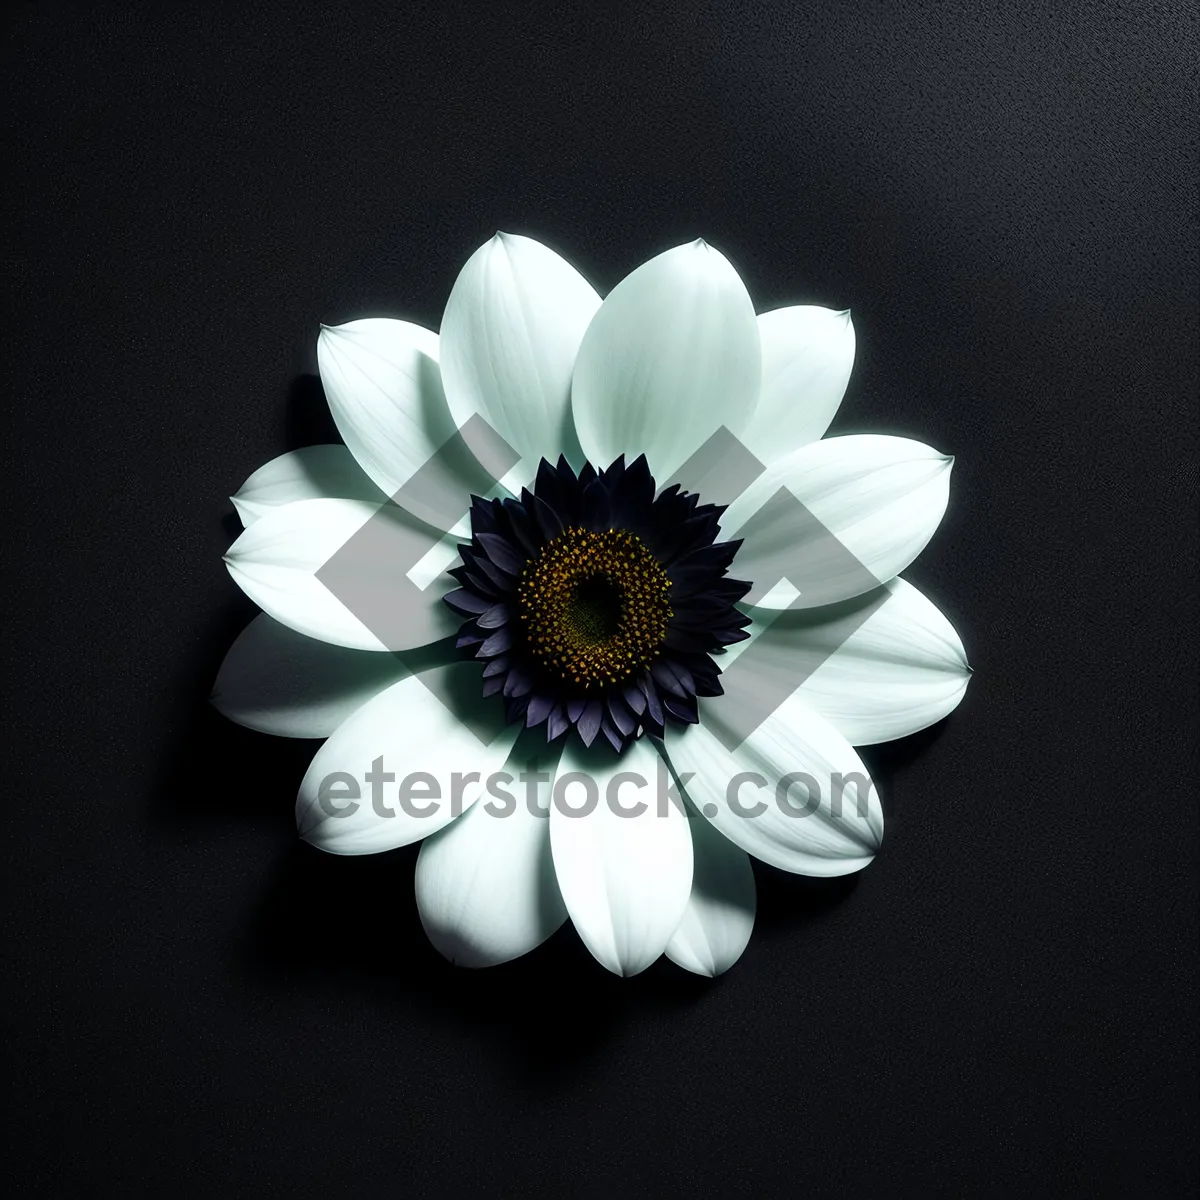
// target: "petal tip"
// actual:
[[306, 827]]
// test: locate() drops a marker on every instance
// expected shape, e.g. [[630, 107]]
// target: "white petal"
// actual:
[[306, 474], [809, 826], [509, 336], [878, 667], [438, 764], [870, 504], [807, 353], [383, 383], [485, 884], [276, 563], [278, 681], [625, 879], [719, 917], [671, 357]]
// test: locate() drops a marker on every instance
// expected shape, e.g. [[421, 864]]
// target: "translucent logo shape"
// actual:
[[783, 545]]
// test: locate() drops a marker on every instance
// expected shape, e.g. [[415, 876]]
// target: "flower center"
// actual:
[[594, 605]]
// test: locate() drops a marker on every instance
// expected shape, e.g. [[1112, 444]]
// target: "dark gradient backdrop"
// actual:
[[1005, 196]]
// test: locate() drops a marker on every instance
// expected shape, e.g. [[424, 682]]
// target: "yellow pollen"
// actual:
[[594, 606]]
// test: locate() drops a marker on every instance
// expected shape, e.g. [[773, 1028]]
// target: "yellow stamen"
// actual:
[[594, 606]]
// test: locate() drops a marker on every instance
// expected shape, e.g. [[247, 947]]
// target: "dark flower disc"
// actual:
[[592, 603]]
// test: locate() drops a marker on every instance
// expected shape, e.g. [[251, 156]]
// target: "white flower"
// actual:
[[530, 365]]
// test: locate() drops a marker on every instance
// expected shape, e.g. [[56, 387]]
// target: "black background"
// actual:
[[1005, 197]]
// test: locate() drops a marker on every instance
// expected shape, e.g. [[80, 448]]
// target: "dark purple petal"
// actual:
[[613, 472], [619, 712], [673, 677], [693, 534], [475, 583], [666, 678], [540, 707], [524, 527], [589, 720], [483, 519], [500, 641], [480, 565], [502, 552], [466, 602], [495, 616], [551, 486], [595, 510], [547, 519], [633, 493], [518, 683], [556, 723], [680, 638], [716, 557], [653, 707], [614, 738], [683, 710], [730, 589]]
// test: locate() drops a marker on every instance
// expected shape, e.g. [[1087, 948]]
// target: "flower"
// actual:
[[538, 695]]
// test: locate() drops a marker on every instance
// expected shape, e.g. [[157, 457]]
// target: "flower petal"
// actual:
[[807, 353], [362, 553], [868, 506], [719, 917], [670, 358], [404, 765], [510, 333], [309, 473], [793, 793], [384, 386], [485, 884], [284, 683], [625, 878], [878, 667]]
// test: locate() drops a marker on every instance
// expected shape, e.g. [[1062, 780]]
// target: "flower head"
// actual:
[[587, 604], [596, 604]]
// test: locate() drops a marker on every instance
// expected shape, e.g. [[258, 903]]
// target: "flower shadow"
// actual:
[[355, 920], [214, 770], [886, 761]]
